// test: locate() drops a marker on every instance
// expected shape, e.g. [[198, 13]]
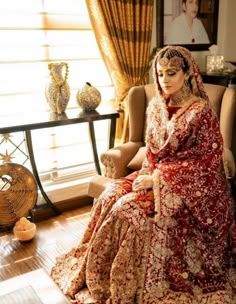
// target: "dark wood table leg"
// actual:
[[35, 172], [112, 133], [94, 146]]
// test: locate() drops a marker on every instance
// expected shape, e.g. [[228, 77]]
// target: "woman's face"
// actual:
[[190, 8], [171, 78]]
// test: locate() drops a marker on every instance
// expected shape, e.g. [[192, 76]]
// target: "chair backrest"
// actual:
[[223, 102]]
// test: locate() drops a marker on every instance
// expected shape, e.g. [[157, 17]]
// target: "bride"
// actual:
[[163, 234]]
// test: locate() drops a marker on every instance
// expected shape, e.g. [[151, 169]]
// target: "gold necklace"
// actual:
[[181, 97]]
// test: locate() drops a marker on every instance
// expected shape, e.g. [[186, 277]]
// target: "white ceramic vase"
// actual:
[[57, 90]]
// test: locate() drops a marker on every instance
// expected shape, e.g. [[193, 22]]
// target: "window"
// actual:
[[33, 34]]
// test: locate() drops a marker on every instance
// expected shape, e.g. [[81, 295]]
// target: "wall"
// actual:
[[226, 35], [227, 29]]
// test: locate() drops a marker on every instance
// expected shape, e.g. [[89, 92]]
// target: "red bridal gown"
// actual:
[[169, 245]]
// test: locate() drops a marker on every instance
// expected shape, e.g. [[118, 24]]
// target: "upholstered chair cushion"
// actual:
[[136, 161]]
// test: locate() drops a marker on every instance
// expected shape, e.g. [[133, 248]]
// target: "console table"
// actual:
[[40, 120], [219, 78]]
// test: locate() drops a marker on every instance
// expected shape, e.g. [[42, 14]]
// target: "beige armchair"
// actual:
[[125, 158]]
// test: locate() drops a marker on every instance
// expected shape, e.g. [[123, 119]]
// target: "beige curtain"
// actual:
[[123, 30]]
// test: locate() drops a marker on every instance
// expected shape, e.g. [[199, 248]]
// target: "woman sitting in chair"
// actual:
[[163, 234]]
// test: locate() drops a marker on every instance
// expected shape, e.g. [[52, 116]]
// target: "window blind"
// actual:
[[33, 34]]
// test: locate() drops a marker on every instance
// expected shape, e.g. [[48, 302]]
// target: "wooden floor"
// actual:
[[54, 237]]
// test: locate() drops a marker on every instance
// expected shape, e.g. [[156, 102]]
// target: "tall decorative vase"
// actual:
[[89, 97], [57, 89]]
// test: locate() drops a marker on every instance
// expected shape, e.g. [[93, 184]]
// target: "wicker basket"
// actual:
[[18, 193]]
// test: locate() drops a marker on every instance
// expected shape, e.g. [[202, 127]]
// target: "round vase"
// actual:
[[88, 98], [57, 89]]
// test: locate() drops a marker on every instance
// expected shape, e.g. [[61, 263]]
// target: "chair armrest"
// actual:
[[116, 159], [227, 119]]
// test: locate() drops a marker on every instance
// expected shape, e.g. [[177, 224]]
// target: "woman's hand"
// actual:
[[142, 182]]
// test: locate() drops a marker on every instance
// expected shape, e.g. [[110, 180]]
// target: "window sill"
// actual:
[[66, 196]]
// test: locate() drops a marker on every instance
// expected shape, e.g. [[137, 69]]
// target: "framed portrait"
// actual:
[[189, 23]]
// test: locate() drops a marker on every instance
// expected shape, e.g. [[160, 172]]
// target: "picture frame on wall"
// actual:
[[175, 16]]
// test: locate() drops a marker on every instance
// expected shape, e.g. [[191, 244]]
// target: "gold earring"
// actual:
[[186, 83]]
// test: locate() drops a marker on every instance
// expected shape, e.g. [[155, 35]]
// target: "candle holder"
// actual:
[[214, 64]]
